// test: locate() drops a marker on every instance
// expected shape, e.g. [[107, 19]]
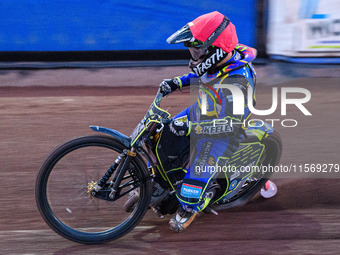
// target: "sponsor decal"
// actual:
[[211, 161], [190, 191], [214, 58], [203, 160], [233, 184], [198, 129], [217, 129]]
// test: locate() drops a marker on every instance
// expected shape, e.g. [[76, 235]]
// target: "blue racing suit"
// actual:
[[214, 138]]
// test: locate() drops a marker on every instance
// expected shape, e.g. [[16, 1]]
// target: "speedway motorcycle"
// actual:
[[97, 188]]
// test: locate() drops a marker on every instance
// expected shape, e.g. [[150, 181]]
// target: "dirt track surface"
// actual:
[[304, 217]]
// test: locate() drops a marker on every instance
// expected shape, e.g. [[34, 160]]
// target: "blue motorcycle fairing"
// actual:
[[125, 140]]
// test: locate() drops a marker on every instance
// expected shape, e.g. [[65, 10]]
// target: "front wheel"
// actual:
[[63, 190]]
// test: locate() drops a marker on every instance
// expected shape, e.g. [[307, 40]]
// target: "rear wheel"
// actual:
[[271, 156], [63, 191]]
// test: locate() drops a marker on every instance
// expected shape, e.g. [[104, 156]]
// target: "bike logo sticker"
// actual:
[[233, 184], [203, 159], [190, 191]]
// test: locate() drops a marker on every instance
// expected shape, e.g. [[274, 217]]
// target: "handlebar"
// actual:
[[163, 121], [166, 121], [154, 114]]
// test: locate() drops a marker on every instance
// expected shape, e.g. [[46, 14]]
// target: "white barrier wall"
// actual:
[[304, 28]]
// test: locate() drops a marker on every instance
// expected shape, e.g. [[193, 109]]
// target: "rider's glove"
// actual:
[[179, 128], [169, 85]]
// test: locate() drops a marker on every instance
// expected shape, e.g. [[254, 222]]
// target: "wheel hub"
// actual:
[[90, 186]]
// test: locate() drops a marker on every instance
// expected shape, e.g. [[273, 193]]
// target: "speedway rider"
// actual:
[[216, 58]]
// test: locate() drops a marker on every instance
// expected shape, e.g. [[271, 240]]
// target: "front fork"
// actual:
[[121, 163]]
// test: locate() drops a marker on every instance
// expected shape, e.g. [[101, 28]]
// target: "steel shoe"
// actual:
[[182, 219]]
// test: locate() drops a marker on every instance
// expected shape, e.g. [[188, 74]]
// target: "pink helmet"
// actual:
[[201, 35]]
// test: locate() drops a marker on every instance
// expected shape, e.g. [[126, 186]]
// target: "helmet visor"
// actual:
[[182, 35]]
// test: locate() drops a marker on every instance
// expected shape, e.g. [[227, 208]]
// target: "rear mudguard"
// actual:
[[119, 136], [256, 132]]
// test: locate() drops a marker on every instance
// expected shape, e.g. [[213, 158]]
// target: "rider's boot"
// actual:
[[182, 219]]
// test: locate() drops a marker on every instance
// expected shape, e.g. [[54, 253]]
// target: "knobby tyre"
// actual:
[[271, 156], [63, 198]]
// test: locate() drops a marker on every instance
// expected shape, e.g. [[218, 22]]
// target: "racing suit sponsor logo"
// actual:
[[214, 58], [213, 129], [233, 184], [198, 129], [190, 191], [217, 129], [203, 160], [211, 161]]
